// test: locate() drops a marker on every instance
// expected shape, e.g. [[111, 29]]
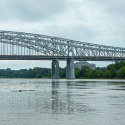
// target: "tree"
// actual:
[[91, 73], [83, 71], [110, 73], [62, 72], [110, 66], [77, 72], [121, 73], [100, 74]]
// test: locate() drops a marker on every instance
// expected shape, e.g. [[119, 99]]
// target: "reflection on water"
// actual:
[[61, 100], [55, 96], [29, 102]]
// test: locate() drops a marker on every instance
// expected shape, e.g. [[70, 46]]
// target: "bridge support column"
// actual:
[[70, 69], [55, 69]]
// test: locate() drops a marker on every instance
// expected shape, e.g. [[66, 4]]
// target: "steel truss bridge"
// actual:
[[28, 46]]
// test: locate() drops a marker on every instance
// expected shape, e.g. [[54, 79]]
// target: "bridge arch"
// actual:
[[19, 43]]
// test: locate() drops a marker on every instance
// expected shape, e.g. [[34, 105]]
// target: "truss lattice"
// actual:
[[14, 45]]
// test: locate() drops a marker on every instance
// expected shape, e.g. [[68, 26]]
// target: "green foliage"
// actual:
[[111, 66], [77, 72], [84, 70], [121, 73], [62, 72], [116, 70], [119, 65], [31, 73], [110, 73], [100, 74], [91, 73]]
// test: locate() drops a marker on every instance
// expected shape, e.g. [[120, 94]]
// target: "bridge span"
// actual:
[[28, 46]]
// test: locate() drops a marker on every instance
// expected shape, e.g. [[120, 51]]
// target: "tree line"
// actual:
[[26, 73], [112, 71]]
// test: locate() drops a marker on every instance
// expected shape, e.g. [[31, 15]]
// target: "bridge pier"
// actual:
[[55, 69], [70, 69]]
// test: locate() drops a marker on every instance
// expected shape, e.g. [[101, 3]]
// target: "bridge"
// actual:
[[28, 46]]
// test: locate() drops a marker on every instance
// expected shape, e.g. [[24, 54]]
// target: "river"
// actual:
[[62, 102]]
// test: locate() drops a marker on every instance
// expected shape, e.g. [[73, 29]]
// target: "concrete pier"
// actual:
[[70, 69], [55, 69]]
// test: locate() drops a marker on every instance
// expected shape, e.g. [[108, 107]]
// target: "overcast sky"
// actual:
[[94, 21]]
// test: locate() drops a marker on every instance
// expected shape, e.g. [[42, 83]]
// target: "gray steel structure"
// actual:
[[28, 46]]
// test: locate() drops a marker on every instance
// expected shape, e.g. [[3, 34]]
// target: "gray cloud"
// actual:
[[30, 10], [113, 11], [115, 7], [103, 21]]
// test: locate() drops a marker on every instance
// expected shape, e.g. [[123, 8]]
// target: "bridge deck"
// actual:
[[63, 58]]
